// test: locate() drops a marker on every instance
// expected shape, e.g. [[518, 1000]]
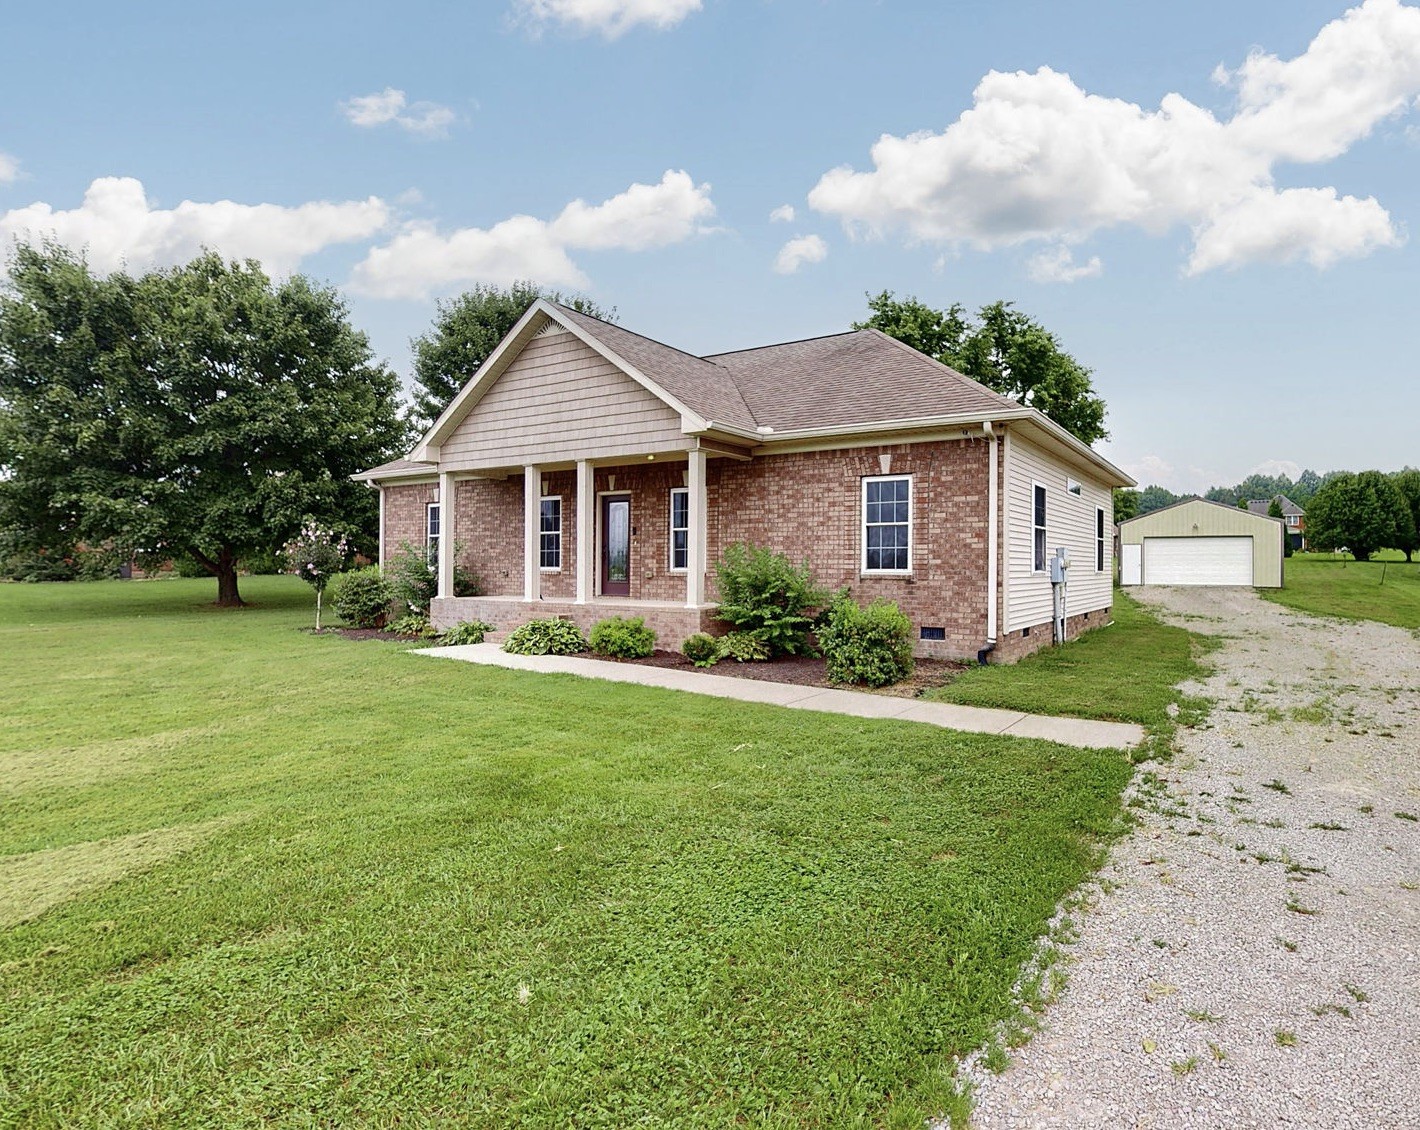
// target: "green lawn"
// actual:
[[1387, 590], [1125, 672], [254, 877]]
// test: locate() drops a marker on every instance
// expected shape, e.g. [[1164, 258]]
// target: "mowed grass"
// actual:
[[257, 877], [1125, 672], [1387, 590]]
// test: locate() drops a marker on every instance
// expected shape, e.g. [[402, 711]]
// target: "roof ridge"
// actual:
[[779, 344], [633, 333]]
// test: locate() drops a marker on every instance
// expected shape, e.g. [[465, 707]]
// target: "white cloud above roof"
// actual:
[[391, 106], [784, 214], [609, 18], [1037, 158], [421, 260], [1057, 265], [117, 226], [798, 251], [9, 168]]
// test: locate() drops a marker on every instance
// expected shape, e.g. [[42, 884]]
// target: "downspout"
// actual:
[[992, 507]]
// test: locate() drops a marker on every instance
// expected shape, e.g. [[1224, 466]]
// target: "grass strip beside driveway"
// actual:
[[1387, 590], [447, 894], [1126, 672]]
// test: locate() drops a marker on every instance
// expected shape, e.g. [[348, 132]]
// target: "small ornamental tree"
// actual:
[[315, 555]]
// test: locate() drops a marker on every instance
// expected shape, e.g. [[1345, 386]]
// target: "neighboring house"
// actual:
[[587, 471], [1198, 542], [1292, 514]]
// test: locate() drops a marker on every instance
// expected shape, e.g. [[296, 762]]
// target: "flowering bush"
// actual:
[[315, 555]]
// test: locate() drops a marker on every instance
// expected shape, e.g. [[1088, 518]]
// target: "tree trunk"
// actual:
[[226, 571]]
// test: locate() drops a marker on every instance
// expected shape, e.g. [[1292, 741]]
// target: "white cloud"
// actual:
[[1275, 467], [610, 18], [421, 259], [1037, 158], [1057, 265], [784, 214], [9, 168], [116, 225], [428, 119], [797, 252]]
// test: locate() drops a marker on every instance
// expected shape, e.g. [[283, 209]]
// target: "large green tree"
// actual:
[[1408, 482], [1002, 348], [1363, 512], [202, 410], [466, 330]]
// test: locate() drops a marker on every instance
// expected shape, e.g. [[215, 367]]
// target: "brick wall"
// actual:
[[1017, 645], [808, 506], [406, 515]]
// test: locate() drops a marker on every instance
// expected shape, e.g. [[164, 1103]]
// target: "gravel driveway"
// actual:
[[1251, 956]]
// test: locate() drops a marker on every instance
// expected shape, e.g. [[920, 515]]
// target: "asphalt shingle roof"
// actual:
[[847, 379]]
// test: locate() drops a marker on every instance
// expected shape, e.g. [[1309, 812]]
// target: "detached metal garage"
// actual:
[[1198, 542]]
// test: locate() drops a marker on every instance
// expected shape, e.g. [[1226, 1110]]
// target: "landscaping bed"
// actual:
[[808, 671]]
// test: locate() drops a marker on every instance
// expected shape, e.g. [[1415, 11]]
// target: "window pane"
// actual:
[[1040, 506], [434, 520]]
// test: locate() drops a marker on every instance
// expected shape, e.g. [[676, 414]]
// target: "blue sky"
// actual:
[[1210, 204]]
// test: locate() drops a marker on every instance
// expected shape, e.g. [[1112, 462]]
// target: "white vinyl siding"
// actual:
[[1071, 521], [561, 400]]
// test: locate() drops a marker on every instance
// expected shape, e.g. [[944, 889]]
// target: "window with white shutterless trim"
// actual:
[[1099, 539], [549, 537], [887, 524], [680, 529], [1037, 520], [432, 524]]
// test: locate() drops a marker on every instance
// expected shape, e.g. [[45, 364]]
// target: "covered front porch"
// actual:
[[609, 537]]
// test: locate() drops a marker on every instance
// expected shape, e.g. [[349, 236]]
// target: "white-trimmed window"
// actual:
[[1293, 520], [1038, 526], [887, 524], [1099, 539], [549, 549], [680, 529], [432, 524]]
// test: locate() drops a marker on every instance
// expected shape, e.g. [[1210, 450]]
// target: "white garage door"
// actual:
[[1198, 561]]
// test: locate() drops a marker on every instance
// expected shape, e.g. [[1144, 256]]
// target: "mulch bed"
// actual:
[[799, 670], [805, 672]]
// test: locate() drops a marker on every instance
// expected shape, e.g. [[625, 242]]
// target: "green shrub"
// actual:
[[623, 638], [701, 649], [362, 597], [871, 645], [744, 647], [546, 637], [415, 576], [764, 593], [469, 631], [38, 567], [185, 565], [262, 563], [412, 624]]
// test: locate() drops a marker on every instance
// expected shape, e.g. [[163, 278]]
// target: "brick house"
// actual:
[[587, 471], [1292, 514]]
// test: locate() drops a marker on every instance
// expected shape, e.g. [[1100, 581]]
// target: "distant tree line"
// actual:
[[1359, 511]]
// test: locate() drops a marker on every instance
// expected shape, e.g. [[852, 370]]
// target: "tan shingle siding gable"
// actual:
[[560, 400]]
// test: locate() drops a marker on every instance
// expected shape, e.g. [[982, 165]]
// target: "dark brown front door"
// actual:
[[616, 545]]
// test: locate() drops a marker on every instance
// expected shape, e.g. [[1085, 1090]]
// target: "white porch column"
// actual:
[[586, 531], [532, 527], [699, 518], [446, 533]]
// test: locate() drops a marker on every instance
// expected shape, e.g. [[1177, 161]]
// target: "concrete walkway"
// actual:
[[973, 719]]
